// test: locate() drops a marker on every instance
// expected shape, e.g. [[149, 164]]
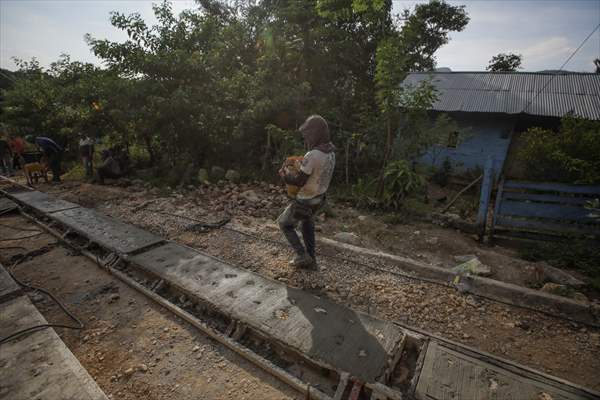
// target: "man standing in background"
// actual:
[[52, 151], [5, 156], [17, 146], [86, 151]]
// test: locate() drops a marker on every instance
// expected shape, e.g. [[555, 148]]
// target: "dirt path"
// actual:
[[133, 348]]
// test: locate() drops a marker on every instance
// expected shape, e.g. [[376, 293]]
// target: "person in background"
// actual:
[[86, 151], [109, 168], [5, 156], [17, 146], [52, 151], [313, 179]]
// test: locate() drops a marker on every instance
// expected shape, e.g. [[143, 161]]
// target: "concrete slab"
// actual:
[[8, 287], [106, 231], [39, 365], [451, 374], [328, 333], [42, 202], [6, 205]]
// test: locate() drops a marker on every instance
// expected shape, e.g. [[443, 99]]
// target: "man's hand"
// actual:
[[281, 172]]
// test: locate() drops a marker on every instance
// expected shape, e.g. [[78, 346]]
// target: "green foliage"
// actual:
[[363, 193], [570, 155], [231, 82], [400, 181], [508, 62]]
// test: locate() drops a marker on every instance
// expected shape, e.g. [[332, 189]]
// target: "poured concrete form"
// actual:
[[8, 287], [106, 231], [42, 202], [39, 365], [329, 334], [451, 374]]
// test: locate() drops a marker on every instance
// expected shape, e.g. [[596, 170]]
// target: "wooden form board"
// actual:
[[329, 334]]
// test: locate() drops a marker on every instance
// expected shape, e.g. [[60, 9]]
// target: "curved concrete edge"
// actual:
[[516, 295]]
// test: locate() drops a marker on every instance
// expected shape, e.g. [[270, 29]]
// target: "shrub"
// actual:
[[570, 155], [400, 181]]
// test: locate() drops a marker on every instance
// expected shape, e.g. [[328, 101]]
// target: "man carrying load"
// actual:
[[313, 179]]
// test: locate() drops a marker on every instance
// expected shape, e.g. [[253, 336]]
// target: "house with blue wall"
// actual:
[[492, 109]]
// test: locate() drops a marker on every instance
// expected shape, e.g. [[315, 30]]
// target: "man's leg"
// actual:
[[308, 234], [54, 161], [8, 161], [287, 223]]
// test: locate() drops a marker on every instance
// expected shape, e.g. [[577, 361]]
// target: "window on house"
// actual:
[[453, 139]]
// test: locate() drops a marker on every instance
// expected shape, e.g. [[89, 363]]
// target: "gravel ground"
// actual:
[[567, 350]]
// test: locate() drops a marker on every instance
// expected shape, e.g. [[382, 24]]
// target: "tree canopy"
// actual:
[[505, 62], [231, 82]]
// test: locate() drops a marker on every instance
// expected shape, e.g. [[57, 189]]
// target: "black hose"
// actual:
[[41, 326], [222, 224], [20, 229], [22, 237], [395, 273]]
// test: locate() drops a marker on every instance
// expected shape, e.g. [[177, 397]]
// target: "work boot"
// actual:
[[304, 261]]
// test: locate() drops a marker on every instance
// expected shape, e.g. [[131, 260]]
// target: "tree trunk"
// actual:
[[267, 154], [386, 155]]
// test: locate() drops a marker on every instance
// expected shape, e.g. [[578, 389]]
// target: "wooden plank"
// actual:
[[554, 187], [484, 197], [497, 207], [562, 229], [559, 212], [547, 198]]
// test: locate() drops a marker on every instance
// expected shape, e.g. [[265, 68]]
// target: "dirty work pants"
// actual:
[[87, 154], [7, 163], [54, 159], [299, 213]]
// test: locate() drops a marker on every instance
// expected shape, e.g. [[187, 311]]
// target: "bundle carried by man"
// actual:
[[291, 167]]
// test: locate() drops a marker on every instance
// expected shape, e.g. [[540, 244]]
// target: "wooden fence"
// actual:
[[535, 209]]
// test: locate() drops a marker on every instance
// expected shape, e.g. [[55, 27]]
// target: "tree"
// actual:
[[505, 62], [230, 82], [409, 48]]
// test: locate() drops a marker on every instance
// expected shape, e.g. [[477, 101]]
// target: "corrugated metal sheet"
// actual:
[[514, 92]]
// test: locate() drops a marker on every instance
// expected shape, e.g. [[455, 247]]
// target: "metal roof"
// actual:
[[515, 92]]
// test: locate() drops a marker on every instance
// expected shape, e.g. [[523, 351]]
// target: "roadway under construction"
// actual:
[[322, 349]]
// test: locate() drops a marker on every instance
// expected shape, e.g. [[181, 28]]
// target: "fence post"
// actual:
[[484, 198]]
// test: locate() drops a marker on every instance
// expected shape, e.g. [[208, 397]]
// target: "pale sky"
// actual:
[[544, 32]]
